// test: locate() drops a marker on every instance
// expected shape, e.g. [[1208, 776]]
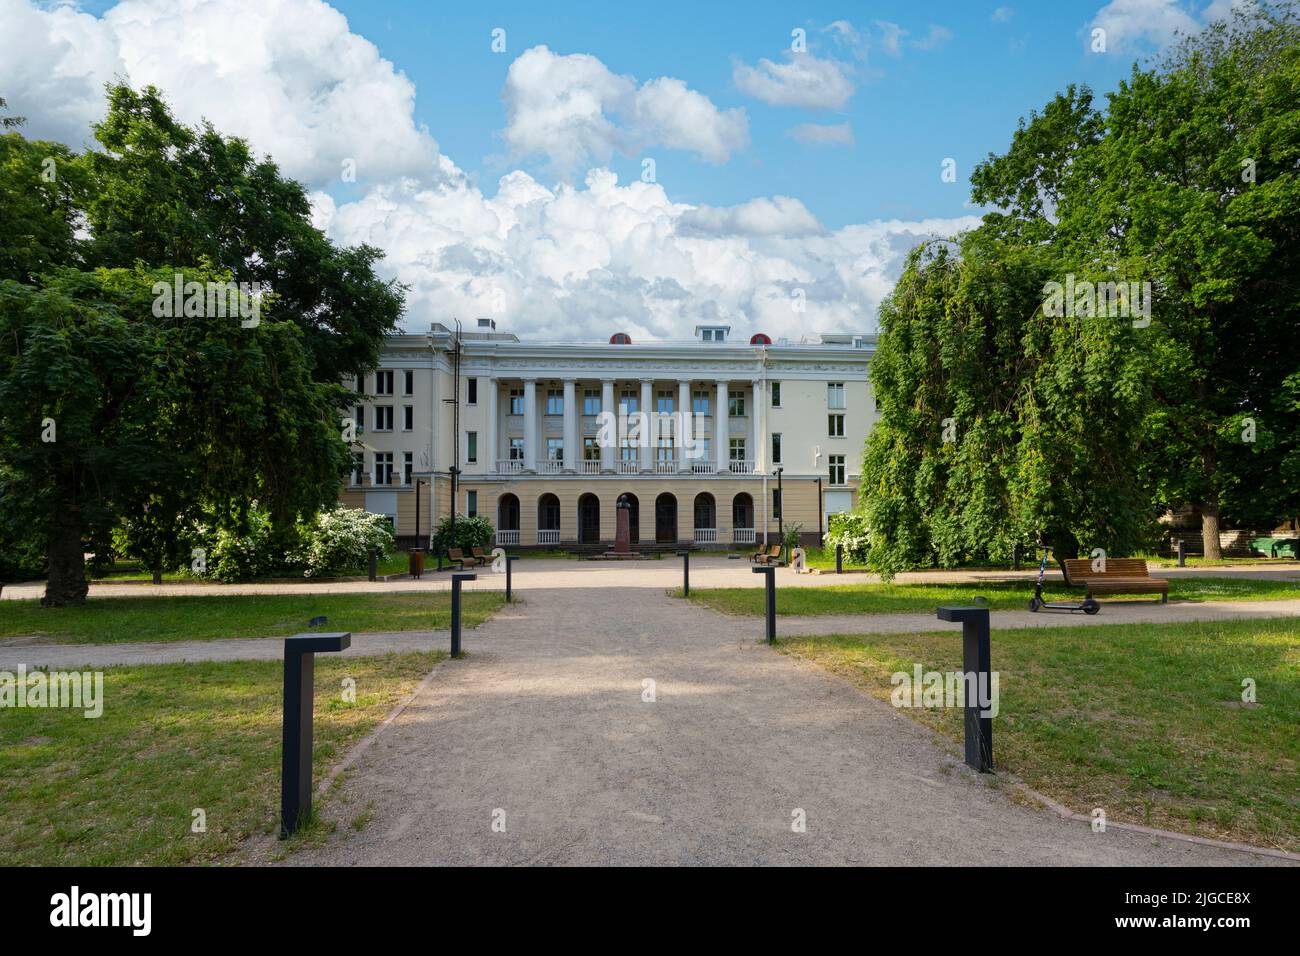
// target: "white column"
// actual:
[[683, 422], [571, 451], [756, 415], [490, 438], [720, 431], [530, 424], [647, 436], [609, 449]]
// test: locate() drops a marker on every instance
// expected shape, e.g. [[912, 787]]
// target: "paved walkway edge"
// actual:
[[1063, 811]]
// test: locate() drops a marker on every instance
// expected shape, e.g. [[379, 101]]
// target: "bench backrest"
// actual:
[[1080, 569], [478, 552], [455, 553]]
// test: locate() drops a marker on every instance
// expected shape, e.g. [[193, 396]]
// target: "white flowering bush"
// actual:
[[239, 555], [849, 529], [340, 540]]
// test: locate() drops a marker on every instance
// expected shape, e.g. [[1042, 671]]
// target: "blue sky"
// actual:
[[787, 189]]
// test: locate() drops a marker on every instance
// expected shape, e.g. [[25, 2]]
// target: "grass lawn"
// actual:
[[120, 790], [1002, 595], [395, 563], [1145, 721], [114, 620]]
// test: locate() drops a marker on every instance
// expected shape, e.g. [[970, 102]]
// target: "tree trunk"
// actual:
[[67, 581], [157, 575], [1210, 530]]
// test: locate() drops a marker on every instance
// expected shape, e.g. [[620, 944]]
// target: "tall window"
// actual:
[[471, 391], [554, 401], [471, 503], [664, 403], [471, 447], [664, 453], [383, 418], [555, 449], [408, 418], [776, 448], [590, 449], [736, 406], [835, 426], [737, 450], [837, 469], [700, 403], [776, 394], [383, 467], [516, 449], [591, 401], [408, 466], [516, 401], [358, 468], [384, 382], [835, 395], [628, 399], [627, 450], [361, 419], [408, 382]]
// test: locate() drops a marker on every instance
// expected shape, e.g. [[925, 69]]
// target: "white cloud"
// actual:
[[574, 110], [891, 37], [1134, 24], [935, 36], [288, 75], [803, 80], [1002, 15], [818, 134]]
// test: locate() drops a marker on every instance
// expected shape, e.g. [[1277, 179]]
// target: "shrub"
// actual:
[[340, 540], [233, 554], [476, 532], [850, 530]]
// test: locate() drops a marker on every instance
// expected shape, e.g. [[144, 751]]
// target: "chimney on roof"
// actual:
[[488, 325]]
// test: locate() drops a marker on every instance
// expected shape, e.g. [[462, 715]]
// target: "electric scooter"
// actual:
[[1088, 606]]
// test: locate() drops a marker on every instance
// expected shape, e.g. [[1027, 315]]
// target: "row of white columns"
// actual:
[[608, 452]]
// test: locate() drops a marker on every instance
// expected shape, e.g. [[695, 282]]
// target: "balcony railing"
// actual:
[[700, 466], [665, 466], [742, 535], [741, 466], [706, 535], [548, 536], [510, 466], [628, 466], [550, 467], [506, 536], [590, 466]]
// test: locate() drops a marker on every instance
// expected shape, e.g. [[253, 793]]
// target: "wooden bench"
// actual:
[[1122, 576], [480, 557], [768, 556], [457, 556]]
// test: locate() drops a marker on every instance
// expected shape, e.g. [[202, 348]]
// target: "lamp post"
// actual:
[[451, 535], [780, 511], [418, 483]]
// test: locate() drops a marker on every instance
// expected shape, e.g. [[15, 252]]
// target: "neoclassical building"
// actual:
[[544, 437]]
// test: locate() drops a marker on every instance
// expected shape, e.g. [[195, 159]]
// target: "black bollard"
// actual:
[[374, 565], [295, 760], [975, 666], [510, 560], [1182, 554], [686, 572], [839, 559], [771, 601], [457, 579]]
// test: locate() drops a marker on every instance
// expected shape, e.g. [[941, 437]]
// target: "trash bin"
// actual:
[[416, 562]]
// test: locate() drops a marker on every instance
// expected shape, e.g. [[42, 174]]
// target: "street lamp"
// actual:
[[451, 536], [780, 511]]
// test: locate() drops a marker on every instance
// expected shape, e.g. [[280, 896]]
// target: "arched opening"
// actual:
[[589, 519], [666, 518], [633, 516], [507, 513], [742, 518], [706, 519], [548, 519]]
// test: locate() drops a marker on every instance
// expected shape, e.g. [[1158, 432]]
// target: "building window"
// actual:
[[384, 382], [737, 450], [835, 395], [776, 394], [471, 447], [471, 504], [664, 403], [408, 382], [590, 449], [736, 406], [706, 449], [383, 467], [776, 502], [555, 449], [471, 391], [835, 426], [408, 418], [408, 466], [554, 401], [837, 469], [383, 418], [361, 419], [591, 401], [516, 401], [664, 453], [628, 400], [516, 449], [627, 450], [700, 403], [359, 468], [776, 448]]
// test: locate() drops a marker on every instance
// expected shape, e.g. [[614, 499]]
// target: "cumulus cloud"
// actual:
[[574, 110], [288, 75], [1002, 15], [819, 134], [803, 80], [1134, 24]]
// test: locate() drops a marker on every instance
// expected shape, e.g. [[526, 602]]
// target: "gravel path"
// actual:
[[543, 729]]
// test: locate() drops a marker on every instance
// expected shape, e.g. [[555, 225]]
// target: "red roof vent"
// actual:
[[758, 338], [620, 338]]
